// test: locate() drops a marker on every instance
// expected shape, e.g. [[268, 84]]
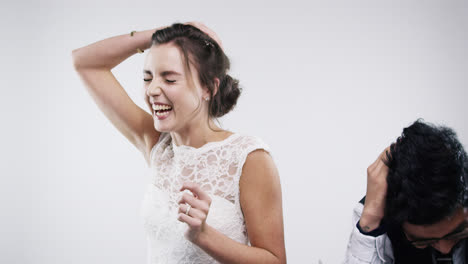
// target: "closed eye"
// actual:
[[458, 235], [170, 81], [147, 80]]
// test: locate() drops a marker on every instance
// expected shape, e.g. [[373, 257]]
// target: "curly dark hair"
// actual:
[[210, 61], [427, 174]]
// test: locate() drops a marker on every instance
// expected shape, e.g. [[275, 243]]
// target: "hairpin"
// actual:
[[208, 43]]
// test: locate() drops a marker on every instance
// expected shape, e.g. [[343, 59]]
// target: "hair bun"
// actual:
[[226, 97]]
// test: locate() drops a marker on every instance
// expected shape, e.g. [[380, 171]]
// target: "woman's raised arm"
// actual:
[[94, 63]]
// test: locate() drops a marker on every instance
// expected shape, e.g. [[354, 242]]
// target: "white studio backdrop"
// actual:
[[327, 84]]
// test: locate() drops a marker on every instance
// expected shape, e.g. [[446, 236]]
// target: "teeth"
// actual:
[[161, 107], [161, 113]]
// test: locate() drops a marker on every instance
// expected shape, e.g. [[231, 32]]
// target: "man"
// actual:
[[415, 209]]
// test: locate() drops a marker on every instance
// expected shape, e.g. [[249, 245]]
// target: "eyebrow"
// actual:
[[164, 73]]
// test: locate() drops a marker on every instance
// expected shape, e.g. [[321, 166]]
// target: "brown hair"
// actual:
[[209, 60]]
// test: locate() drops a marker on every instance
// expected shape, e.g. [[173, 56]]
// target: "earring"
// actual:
[[206, 98]]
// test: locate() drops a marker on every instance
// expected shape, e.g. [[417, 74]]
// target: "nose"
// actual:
[[153, 89], [444, 246]]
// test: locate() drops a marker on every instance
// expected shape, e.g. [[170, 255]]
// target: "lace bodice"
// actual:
[[216, 167]]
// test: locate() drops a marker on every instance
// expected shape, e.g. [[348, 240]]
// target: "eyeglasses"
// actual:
[[422, 243]]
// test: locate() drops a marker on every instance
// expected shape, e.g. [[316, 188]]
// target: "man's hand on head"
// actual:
[[374, 205]]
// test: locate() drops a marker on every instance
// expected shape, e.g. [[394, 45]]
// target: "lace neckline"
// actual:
[[206, 146]]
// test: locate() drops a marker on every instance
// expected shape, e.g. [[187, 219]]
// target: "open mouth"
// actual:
[[161, 110]]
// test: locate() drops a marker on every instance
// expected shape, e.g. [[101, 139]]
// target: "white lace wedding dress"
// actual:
[[216, 167]]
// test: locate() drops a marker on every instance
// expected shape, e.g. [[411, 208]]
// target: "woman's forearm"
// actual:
[[228, 251], [108, 53]]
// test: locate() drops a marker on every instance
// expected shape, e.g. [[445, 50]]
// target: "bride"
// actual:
[[215, 195]]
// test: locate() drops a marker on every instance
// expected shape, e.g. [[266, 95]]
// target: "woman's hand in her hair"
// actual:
[[193, 210], [207, 31], [374, 206]]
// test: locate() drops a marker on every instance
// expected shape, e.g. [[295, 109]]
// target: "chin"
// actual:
[[162, 128]]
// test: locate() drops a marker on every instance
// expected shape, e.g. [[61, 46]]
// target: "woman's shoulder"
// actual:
[[250, 141], [243, 145]]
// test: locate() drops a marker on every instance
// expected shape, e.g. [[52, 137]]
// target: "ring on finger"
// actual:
[[188, 209]]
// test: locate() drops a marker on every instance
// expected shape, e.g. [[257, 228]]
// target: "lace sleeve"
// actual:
[[249, 145]]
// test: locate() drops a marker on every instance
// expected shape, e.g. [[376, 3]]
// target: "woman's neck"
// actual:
[[197, 136]]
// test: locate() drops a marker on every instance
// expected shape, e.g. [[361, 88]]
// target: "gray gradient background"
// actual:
[[327, 84]]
